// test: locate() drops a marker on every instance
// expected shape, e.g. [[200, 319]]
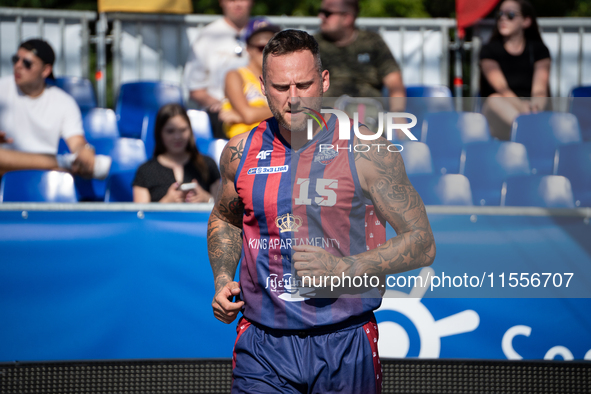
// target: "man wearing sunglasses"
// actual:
[[34, 116], [359, 62]]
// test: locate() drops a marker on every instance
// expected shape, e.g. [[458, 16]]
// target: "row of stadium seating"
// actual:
[[551, 191], [138, 99]]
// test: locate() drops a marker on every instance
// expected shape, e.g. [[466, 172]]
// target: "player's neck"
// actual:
[[237, 24], [33, 90]]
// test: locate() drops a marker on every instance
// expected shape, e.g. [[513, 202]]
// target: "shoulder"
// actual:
[[232, 155], [60, 97], [491, 50], [368, 35], [540, 50], [149, 166]]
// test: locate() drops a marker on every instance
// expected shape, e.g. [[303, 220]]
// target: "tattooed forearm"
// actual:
[[398, 202], [224, 246]]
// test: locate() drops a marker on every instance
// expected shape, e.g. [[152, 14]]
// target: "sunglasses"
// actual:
[[327, 13], [259, 48], [26, 62], [509, 14]]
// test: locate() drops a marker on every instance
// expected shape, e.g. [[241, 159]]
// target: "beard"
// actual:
[[298, 107]]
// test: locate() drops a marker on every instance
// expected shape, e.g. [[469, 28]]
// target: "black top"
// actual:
[[518, 70], [157, 179]]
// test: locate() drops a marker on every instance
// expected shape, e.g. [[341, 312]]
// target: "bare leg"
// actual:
[[11, 160], [500, 113]]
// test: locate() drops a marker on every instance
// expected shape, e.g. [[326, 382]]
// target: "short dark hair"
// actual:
[[352, 6], [290, 41]]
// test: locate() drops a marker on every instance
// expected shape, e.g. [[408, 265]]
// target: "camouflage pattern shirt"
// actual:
[[359, 68]]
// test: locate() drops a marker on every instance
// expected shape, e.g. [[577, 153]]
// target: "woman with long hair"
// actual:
[[515, 67], [177, 172], [245, 106]]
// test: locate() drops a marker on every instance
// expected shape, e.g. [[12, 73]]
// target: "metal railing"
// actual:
[[45, 20], [185, 28]]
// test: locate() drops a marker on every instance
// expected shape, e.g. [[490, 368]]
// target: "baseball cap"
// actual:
[[257, 25], [41, 49]]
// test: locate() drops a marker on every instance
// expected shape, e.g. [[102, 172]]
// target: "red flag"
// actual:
[[470, 11]]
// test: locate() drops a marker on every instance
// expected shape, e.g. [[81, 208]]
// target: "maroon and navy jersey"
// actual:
[[311, 196]]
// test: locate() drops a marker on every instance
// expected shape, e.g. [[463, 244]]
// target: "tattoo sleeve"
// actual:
[[224, 230], [396, 200]]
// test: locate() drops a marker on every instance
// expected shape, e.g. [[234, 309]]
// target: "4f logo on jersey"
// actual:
[[263, 154]]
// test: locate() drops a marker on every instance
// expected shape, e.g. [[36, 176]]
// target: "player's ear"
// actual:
[[325, 81], [46, 70], [262, 82]]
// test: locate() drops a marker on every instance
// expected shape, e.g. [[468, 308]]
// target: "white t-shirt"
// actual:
[[36, 124], [213, 55]]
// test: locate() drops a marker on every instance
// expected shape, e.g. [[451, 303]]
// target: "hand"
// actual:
[[84, 163], [538, 104], [215, 107], [525, 107], [223, 308], [198, 194], [230, 117], [4, 139], [173, 194], [313, 261]]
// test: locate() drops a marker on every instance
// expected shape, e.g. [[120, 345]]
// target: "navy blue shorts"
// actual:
[[342, 361]]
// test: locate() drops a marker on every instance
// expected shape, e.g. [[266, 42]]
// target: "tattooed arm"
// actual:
[[224, 234], [383, 179]]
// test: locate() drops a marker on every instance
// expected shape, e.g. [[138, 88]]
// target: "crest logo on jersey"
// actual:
[[288, 222], [263, 154], [325, 156]]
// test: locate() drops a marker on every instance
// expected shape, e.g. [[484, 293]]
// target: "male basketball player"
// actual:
[[288, 343]]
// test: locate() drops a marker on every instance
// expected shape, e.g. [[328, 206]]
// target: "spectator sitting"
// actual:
[[176, 161], [216, 51], [33, 117], [515, 65], [359, 62], [245, 105]]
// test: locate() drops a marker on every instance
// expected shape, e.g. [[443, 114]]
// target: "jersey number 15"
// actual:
[[327, 196]]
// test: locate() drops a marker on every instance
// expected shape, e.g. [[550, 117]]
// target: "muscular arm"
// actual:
[[11, 160], [396, 91], [224, 234], [384, 179]]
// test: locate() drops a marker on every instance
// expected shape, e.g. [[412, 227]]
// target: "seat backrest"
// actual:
[[447, 132], [148, 136], [80, 89], [574, 162], [488, 164], [200, 124], [38, 186], [428, 91], [100, 123], [449, 189], [119, 187], [127, 154], [423, 100], [215, 148], [138, 98], [579, 104], [542, 134], [417, 158], [549, 191]]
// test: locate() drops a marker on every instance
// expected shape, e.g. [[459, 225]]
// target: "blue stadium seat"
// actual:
[[446, 133], [542, 134], [424, 100], [136, 99], [100, 123], [574, 162], [119, 187], [128, 154], [147, 136], [417, 158], [580, 102], [200, 124], [449, 189], [38, 186], [79, 88], [488, 164], [548, 191], [214, 149]]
